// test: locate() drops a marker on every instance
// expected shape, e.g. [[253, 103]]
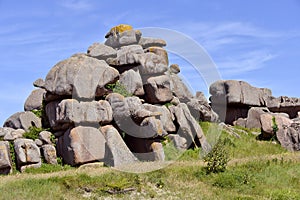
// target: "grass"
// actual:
[[257, 170]]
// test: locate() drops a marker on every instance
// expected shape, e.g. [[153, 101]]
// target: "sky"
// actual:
[[256, 41]]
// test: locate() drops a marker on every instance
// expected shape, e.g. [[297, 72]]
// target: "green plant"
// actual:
[[39, 113], [13, 155], [33, 133], [274, 125], [118, 88], [275, 129], [217, 158]]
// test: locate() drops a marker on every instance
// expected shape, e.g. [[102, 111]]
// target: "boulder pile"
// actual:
[[239, 103], [116, 104]]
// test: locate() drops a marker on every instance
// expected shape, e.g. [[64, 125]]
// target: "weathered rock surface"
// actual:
[[179, 89], [117, 153], [80, 76], [13, 134], [189, 127], [49, 153], [132, 82], [253, 119], [35, 100], [158, 89], [179, 142], [82, 145], [289, 105], [45, 137], [268, 125], [5, 158], [289, 137], [127, 55], [239, 92], [63, 113], [118, 39], [200, 108], [70, 110], [27, 154], [40, 83], [151, 42], [101, 51], [23, 120], [166, 117], [150, 127]]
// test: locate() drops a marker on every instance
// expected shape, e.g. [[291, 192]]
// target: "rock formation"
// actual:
[[115, 104]]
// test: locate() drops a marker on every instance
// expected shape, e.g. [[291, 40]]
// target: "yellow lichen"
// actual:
[[118, 29]]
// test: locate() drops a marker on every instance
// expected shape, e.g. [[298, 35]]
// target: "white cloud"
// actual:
[[244, 62], [77, 5]]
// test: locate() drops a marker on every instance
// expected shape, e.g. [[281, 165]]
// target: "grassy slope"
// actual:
[[257, 170]]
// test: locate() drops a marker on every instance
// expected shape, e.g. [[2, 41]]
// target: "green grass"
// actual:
[[259, 170]]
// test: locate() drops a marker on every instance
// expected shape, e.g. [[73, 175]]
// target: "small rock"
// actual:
[[45, 137], [35, 100], [49, 153]]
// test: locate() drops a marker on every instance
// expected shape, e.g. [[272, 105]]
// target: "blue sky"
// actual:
[[257, 41]]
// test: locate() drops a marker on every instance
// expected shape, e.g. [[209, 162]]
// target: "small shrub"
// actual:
[[118, 88], [33, 133], [38, 113], [217, 158]]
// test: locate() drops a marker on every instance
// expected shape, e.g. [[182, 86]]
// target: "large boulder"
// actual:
[[82, 145], [81, 76], [62, 114], [179, 89], [5, 158], [153, 62], [117, 153], [253, 118], [289, 137], [101, 51], [239, 93], [189, 128], [269, 122], [146, 42], [232, 99], [27, 154], [70, 110], [122, 36], [126, 55], [35, 100], [23, 120], [132, 81], [166, 117], [158, 90], [124, 114]]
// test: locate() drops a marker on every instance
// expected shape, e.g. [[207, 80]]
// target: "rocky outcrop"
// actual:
[[115, 104], [289, 105]]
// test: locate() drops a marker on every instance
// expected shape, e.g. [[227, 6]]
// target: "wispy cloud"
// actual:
[[77, 5], [243, 63]]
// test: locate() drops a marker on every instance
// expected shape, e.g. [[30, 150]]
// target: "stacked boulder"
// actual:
[[115, 104], [239, 103]]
